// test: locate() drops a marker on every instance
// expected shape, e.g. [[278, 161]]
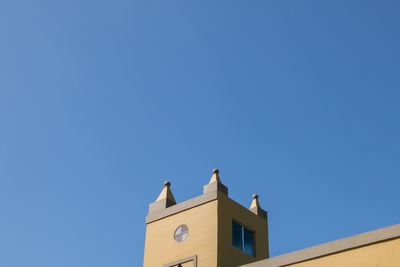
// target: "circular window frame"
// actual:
[[181, 236]]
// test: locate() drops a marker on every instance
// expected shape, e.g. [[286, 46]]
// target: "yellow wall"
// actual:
[[383, 254], [161, 248], [230, 256]]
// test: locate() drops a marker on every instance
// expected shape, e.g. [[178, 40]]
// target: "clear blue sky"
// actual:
[[101, 101]]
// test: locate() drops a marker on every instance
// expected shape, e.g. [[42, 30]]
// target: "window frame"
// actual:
[[185, 260], [242, 248]]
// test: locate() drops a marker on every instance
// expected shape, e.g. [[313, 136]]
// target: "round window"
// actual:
[[181, 233]]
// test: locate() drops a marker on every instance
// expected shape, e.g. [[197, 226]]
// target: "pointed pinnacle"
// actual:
[[166, 193], [255, 203], [215, 176]]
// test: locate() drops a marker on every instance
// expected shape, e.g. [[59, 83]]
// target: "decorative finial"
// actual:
[[256, 208], [255, 203], [164, 200], [166, 193], [215, 176], [215, 184]]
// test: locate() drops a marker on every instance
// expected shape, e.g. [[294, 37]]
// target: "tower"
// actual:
[[210, 230]]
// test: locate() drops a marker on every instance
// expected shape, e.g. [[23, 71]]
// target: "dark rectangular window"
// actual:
[[237, 235], [242, 238]]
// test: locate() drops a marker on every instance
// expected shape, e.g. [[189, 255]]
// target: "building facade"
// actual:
[[212, 230]]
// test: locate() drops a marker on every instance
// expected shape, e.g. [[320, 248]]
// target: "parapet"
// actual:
[[165, 205]]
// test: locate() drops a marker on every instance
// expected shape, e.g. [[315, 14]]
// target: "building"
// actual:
[[212, 230]]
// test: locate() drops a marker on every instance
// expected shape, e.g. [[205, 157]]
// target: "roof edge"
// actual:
[[332, 247], [188, 204]]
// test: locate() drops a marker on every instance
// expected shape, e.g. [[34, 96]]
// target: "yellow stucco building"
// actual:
[[212, 230]]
